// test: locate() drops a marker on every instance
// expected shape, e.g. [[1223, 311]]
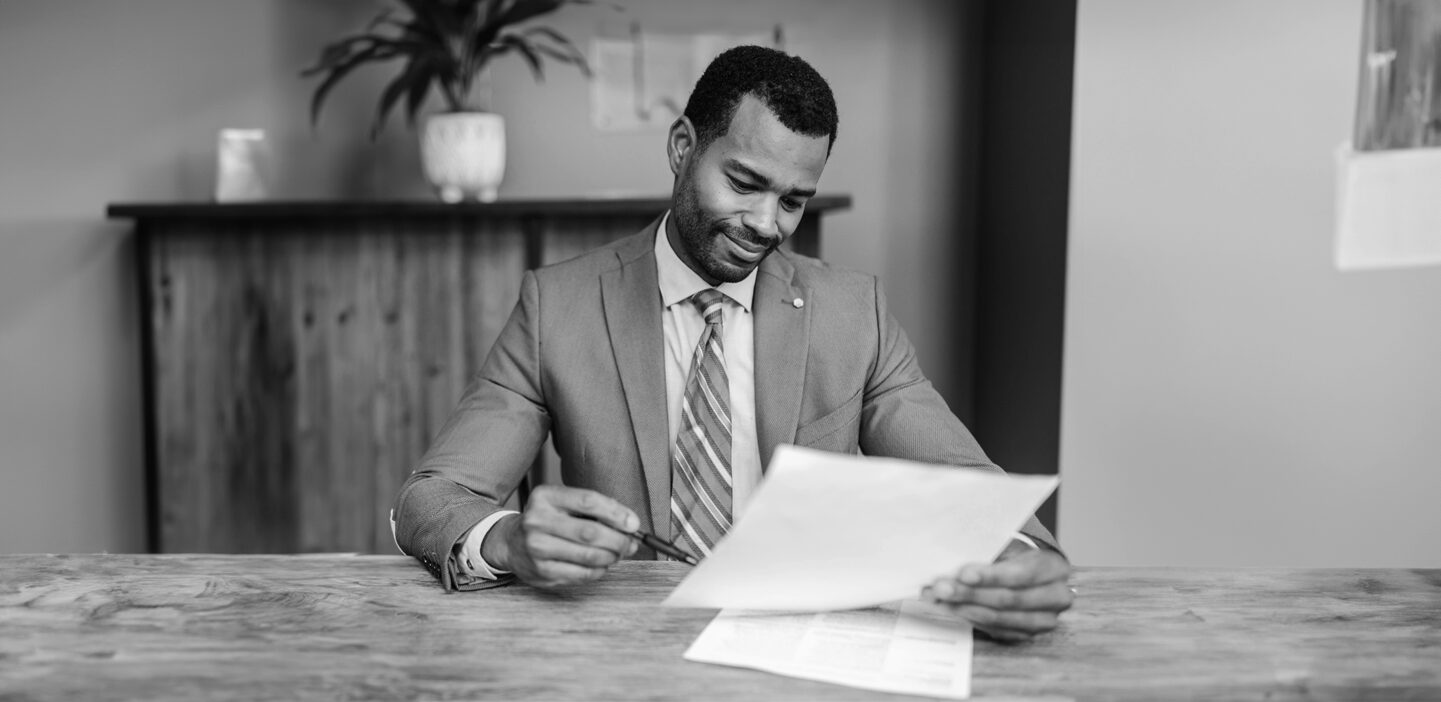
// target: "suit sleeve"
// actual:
[[482, 452], [902, 414]]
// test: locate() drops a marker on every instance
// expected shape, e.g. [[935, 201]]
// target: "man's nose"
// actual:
[[762, 218]]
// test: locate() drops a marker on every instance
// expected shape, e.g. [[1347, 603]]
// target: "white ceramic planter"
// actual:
[[463, 154]]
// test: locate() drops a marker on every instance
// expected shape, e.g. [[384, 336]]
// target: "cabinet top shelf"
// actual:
[[416, 208]]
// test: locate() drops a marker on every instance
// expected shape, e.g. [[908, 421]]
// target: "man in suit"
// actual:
[[603, 353]]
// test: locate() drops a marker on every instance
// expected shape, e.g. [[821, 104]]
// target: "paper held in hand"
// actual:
[[827, 531]]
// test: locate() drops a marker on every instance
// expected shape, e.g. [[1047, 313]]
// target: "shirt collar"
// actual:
[[678, 282]]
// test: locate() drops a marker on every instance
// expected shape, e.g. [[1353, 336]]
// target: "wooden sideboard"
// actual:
[[299, 356]]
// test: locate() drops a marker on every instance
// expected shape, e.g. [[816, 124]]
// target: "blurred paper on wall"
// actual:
[[1388, 210], [644, 82]]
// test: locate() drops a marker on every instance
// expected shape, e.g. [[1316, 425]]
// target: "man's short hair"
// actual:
[[795, 93]]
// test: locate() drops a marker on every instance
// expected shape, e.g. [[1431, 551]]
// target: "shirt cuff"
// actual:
[[1018, 536], [470, 561]]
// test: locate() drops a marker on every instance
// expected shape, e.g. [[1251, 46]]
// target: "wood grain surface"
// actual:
[[300, 371], [113, 627]]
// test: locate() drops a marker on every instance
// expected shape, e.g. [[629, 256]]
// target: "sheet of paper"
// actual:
[[909, 647], [1388, 211], [827, 531]]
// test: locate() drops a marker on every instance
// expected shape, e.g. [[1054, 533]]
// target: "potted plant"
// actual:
[[445, 44]]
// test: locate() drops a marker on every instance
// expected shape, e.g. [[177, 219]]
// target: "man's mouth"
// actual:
[[753, 249]]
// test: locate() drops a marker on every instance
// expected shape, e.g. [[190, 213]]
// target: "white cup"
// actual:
[[242, 166]]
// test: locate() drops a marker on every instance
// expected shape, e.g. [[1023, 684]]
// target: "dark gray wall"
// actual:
[[1019, 264]]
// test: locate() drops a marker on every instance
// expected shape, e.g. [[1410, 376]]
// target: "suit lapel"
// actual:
[[631, 298], [782, 334]]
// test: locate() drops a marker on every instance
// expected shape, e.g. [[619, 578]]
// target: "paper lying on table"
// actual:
[[827, 531], [910, 647]]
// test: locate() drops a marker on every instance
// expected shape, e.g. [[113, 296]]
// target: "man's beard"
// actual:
[[699, 239]]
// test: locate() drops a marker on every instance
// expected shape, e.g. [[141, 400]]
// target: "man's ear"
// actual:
[[680, 144]]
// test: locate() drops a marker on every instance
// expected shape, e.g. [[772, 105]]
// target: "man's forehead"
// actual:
[[758, 139], [752, 112]]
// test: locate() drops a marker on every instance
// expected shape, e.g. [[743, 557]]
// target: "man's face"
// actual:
[[737, 200]]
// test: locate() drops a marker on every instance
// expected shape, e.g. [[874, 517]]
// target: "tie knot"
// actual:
[[709, 301]]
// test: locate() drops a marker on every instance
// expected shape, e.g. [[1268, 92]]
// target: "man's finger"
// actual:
[[1051, 597], [543, 546], [584, 532], [589, 503], [558, 573], [1005, 636], [1027, 570]]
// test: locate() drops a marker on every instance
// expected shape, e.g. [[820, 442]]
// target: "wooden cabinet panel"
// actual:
[[301, 356]]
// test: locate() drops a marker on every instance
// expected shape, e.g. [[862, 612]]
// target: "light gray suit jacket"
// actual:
[[581, 358]]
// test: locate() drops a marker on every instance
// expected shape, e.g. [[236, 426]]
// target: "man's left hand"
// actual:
[[1019, 596]]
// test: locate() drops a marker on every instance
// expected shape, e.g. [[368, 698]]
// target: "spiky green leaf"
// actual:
[[418, 89], [414, 72], [373, 53], [522, 45], [523, 10], [564, 51], [564, 57], [336, 53], [447, 44], [436, 16]]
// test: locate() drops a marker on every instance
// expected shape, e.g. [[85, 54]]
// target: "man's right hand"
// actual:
[[566, 536]]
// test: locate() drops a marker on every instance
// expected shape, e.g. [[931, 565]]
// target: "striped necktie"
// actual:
[[700, 497]]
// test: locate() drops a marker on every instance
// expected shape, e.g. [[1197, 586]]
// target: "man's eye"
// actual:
[[791, 205], [742, 187]]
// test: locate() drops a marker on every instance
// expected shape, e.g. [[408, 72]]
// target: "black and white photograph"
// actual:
[[720, 350]]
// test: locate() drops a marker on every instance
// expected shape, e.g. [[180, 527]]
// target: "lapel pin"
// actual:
[[798, 303]]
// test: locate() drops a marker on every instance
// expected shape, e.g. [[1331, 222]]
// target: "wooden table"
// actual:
[[100, 627]]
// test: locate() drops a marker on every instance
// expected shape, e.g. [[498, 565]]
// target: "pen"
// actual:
[[664, 547], [655, 542]]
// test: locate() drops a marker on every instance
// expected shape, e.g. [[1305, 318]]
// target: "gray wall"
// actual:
[[1229, 398], [119, 100]]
